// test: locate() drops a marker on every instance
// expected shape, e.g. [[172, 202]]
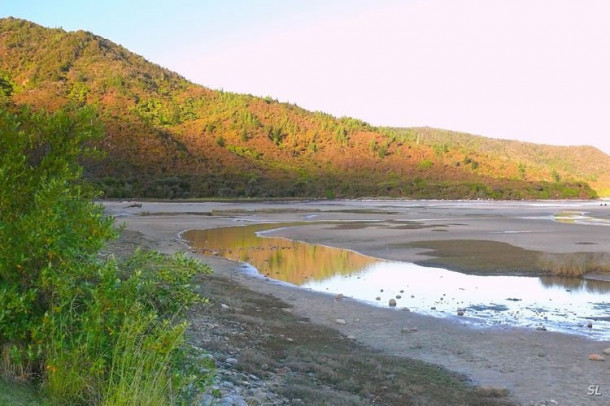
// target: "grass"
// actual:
[[575, 264], [139, 373], [20, 394]]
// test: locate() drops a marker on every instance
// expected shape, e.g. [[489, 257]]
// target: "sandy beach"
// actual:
[[535, 366]]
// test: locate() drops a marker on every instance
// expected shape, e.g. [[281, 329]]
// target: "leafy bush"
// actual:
[[91, 331]]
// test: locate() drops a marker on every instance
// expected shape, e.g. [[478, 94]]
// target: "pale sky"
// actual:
[[532, 70]]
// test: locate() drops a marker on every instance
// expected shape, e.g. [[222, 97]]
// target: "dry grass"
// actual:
[[574, 264]]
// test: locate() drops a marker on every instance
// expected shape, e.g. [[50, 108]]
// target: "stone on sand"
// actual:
[[596, 357]]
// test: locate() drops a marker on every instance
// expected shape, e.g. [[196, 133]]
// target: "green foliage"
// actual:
[[441, 149], [244, 152], [160, 128], [91, 331], [47, 223], [276, 134], [521, 169], [425, 164], [6, 88], [79, 92], [341, 135], [118, 338], [382, 151]]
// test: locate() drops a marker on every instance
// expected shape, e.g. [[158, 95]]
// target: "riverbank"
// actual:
[[535, 366]]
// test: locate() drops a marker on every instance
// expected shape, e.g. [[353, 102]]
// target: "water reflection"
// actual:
[[561, 304], [576, 284], [286, 260]]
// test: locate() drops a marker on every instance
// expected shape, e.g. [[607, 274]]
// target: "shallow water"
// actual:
[[556, 304]]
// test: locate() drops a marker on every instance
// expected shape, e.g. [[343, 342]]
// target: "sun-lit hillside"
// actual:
[[167, 137]]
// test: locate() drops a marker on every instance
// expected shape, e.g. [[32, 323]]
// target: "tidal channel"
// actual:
[[569, 305]]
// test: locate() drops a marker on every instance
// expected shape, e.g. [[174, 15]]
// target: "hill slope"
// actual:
[[167, 137]]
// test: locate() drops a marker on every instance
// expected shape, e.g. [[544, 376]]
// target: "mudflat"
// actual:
[[537, 367]]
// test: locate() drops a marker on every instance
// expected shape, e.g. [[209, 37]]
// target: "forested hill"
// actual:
[[167, 137]]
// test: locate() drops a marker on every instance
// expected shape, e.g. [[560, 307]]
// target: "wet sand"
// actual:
[[534, 365]]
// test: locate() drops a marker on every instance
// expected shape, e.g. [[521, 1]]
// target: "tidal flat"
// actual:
[[474, 238]]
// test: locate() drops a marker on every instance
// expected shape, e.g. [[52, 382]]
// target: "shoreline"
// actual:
[[533, 365]]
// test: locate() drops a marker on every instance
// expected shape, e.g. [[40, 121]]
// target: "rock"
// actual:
[[378, 298], [339, 296], [340, 321], [232, 361], [606, 351], [227, 401], [406, 309], [597, 357], [590, 324], [433, 308], [224, 307], [541, 328], [392, 303], [460, 312], [207, 400], [351, 337]]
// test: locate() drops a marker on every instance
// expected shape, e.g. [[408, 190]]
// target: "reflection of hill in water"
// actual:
[[575, 284], [290, 261]]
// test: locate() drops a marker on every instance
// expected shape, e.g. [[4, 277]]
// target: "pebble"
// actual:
[[406, 330], [606, 351], [231, 361], [339, 296], [340, 321], [233, 388], [597, 357], [392, 303]]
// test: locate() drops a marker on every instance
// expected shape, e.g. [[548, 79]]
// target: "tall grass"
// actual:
[[140, 372], [574, 264], [122, 343]]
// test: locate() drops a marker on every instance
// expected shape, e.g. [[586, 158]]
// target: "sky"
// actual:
[[530, 70]]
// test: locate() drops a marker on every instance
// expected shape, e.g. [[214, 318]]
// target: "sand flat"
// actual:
[[534, 365]]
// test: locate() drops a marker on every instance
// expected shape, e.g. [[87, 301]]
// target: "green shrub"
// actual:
[[91, 331]]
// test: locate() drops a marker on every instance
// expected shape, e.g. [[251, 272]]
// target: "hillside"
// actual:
[[167, 137]]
